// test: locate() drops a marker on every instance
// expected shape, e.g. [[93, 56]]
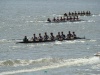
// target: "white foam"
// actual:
[[58, 42], [91, 21], [69, 62]]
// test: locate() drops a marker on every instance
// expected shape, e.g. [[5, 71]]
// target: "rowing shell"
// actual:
[[49, 40], [66, 21]]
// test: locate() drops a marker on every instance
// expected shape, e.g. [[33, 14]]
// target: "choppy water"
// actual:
[[25, 17]]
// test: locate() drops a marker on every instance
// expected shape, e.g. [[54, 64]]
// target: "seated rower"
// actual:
[[58, 19], [70, 18], [58, 37], [74, 18], [79, 13], [48, 20], [40, 37], [61, 19], [75, 13], [70, 14], [74, 35], [52, 37], [46, 37], [54, 19], [89, 13], [65, 14], [34, 37], [62, 36], [69, 35], [25, 39], [77, 18]]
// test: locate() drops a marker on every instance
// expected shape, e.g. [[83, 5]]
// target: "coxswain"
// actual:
[[25, 39], [40, 37], [46, 36], [69, 35], [34, 37], [52, 37], [74, 35], [62, 36], [48, 20]]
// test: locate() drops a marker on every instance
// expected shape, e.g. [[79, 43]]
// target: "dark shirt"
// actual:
[[40, 38], [25, 39], [46, 37], [52, 37], [63, 36]]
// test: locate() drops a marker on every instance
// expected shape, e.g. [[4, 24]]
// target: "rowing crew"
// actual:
[[78, 13], [59, 37], [64, 19]]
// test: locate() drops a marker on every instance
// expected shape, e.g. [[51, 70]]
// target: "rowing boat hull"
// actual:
[[49, 40], [37, 41], [65, 21]]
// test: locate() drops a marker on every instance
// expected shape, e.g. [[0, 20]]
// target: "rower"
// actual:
[[64, 19], [25, 39], [69, 35], [83, 12], [54, 19], [69, 13], [46, 37], [74, 35], [58, 37], [79, 13], [62, 36], [34, 37], [75, 13], [40, 37], [52, 37], [89, 13], [48, 20], [61, 19], [70, 18], [58, 19], [74, 18], [77, 18], [65, 14]]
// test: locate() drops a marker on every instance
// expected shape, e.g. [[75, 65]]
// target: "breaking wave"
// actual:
[[52, 63], [20, 62]]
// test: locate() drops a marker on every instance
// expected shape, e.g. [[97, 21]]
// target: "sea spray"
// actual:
[[67, 63]]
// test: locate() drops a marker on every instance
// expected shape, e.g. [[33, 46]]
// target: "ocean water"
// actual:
[[26, 17]]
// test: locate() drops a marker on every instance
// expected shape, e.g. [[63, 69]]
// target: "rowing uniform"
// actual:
[[46, 37], [63, 36], [58, 37], [35, 38], [52, 37], [40, 38]]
